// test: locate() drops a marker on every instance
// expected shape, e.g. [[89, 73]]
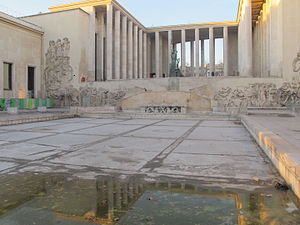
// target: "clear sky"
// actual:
[[148, 12]]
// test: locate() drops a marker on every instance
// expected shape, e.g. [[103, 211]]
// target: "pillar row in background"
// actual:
[[145, 47], [170, 49], [192, 52], [197, 72], [135, 52], [100, 51], [211, 51], [183, 51], [130, 50], [117, 44], [124, 49], [109, 42], [202, 53], [225, 50], [157, 54], [140, 60]]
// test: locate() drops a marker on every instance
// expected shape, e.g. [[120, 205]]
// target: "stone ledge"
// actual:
[[284, 155], [34, 118]]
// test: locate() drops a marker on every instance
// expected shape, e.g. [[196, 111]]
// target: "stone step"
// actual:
[[139, 115]]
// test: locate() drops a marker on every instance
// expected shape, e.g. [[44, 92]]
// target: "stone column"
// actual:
[[170, 49], [211, 51], [157, 55], [135, 52], [197, 72], [183, 52], [140, 73], [124, 48], [92, 43], [117, 44], [145, 51], [225, 50], [192, 46], [109, 42], [101, 49], [202, 53], [130, 50], [247, 71]]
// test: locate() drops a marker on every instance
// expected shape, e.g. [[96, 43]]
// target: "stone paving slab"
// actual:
[[118, 153], [220, 134], [108, 130], [27, 151], [160, 132], [230, 148], [62, 128], [240, 167], [192, 148], [21, 136], [139, 122], [6, 165], [67, 140], [220, 123], [103, 121], [30, 125], [185, 123], [7, 119]]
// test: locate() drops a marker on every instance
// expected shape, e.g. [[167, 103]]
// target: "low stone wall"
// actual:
[[283, 155], [219, 93]]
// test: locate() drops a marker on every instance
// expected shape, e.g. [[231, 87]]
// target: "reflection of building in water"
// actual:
[[105, 201]]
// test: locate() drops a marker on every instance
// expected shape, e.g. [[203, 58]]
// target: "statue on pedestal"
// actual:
[[174, 66]]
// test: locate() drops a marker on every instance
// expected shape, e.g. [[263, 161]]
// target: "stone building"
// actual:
[[95, 53], [20, 58]]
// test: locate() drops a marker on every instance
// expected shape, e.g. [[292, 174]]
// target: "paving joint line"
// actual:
[[158, 159]]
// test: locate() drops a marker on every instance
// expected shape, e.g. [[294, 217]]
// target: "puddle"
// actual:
[[30, 199]]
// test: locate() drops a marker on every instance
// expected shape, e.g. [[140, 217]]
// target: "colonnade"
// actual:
[[127, 51], [126, 47], [194, 51]]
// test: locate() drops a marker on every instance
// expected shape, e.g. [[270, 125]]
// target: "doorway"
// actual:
[[30, 80]]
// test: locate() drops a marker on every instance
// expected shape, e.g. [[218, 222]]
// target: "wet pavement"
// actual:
[[59, 199], [169, 172]]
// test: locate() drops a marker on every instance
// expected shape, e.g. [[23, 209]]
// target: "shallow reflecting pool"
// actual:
[[30, 199]]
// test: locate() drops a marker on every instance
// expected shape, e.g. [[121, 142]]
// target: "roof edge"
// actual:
[[20, 23]]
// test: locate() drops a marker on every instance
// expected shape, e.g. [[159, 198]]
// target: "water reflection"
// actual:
[[29, 199]]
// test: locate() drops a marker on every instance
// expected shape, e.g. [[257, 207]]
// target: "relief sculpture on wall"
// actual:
[[59, 74], [58, 71], [296, 63], [259, 95]]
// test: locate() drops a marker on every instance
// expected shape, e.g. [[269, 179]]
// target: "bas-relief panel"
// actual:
[[296, 63], [59, 75], [259, 95]]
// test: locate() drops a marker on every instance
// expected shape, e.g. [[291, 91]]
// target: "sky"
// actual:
[[148, 12]]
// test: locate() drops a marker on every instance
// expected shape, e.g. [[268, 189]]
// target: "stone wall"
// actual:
[[198, 94], [21, 46]]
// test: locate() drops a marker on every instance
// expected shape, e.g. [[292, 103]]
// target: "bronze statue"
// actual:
[[174, 66]]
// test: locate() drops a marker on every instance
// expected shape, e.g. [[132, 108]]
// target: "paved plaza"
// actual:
[[194, 149]]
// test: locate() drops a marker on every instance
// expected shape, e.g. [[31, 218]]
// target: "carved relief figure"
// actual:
[[58, 71], [296, 63], [259, 95]]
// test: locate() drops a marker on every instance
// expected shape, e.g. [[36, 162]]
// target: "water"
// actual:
[[31, 199]]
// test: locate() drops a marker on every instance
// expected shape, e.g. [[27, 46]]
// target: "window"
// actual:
[[7, 76]]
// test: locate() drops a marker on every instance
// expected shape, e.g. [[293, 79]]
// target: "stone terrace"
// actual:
[[208, 150]]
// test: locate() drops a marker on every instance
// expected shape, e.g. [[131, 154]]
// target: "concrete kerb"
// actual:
[[284, 156], [35, 118]]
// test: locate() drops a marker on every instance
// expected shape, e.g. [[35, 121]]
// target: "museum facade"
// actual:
[[95, 53]]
